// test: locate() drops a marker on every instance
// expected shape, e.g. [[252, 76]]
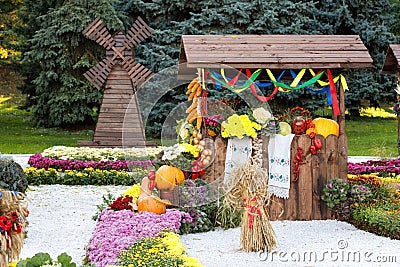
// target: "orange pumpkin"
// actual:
[[169, 176], [152, 204], [326, 127]]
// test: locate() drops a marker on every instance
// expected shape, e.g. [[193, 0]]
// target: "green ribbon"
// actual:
[[243, 87]]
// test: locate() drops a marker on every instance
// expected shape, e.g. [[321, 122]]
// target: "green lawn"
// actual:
[[18, 136], [372, 137], [366, 136]]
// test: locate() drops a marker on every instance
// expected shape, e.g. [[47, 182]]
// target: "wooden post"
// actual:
[[342, 142], [398, 117]]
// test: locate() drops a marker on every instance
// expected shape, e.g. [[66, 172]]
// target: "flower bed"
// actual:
[[124, 236], [90, 166], [98, 154], [38, 161], [375, 166], [87, 176], [370, 199], [118, 230]]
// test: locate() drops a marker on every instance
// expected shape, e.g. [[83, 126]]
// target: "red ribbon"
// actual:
[[254, 91], [252, 210], [335, 103]]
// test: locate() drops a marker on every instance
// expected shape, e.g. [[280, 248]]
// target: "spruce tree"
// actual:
[[61, 95]]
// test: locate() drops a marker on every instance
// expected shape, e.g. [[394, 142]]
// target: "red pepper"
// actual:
[[318, 143], [312, 135], [313, 150], [311, 125]]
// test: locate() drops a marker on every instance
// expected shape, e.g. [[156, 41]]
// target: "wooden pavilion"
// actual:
[[392, 66], [277, 52]]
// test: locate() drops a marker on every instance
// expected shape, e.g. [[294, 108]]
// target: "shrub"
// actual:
[[12, 176]]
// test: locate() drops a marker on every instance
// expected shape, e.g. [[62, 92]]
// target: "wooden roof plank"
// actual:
[[272, 51]]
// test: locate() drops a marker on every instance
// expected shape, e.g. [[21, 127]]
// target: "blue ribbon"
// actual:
[[318, 91]]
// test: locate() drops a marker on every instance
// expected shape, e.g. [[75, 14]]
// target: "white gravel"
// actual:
[[60, 221]]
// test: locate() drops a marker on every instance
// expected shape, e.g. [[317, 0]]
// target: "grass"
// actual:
[[372, 137], [18, 136], [367, 136]]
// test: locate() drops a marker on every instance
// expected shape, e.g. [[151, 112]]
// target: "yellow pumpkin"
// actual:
[[168, 176], [326, 127], [152, 204]]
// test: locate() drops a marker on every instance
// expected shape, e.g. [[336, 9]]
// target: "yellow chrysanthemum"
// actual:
[[173, 243], [239, 126], [133, 191], [191, 149], [12, 264], [191, 262]]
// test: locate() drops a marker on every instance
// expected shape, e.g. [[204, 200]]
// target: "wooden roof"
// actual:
[[274, 51], [392, 60]]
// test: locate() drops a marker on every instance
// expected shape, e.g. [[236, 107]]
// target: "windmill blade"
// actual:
[[99, 73], [97, 32], [137, 72], [137, 33]]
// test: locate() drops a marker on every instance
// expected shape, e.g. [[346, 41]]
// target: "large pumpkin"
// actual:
[[326, 127], [168, 176], [152, 204]]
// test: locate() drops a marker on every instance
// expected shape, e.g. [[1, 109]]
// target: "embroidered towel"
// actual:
[[279, 164], [238, 152]]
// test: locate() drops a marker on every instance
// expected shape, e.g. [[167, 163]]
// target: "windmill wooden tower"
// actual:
[[123, 76]]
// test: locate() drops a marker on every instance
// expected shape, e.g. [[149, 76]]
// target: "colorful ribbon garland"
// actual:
[[220, 80]]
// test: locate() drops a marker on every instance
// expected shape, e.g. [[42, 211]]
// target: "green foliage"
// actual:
[[373, 21], [12, 176], [44, 259], [341, 197], [335, 192], [108, 199]]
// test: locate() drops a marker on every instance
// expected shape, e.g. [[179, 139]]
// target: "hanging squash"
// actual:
[[169, 176], [326, 127], [152, 204]]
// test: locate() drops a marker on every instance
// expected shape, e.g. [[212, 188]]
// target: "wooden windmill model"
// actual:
[[123, 76]]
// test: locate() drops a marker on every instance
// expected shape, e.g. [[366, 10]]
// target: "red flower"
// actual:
[[14, 216], [122, 203], [5, 223], [19, 228]]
